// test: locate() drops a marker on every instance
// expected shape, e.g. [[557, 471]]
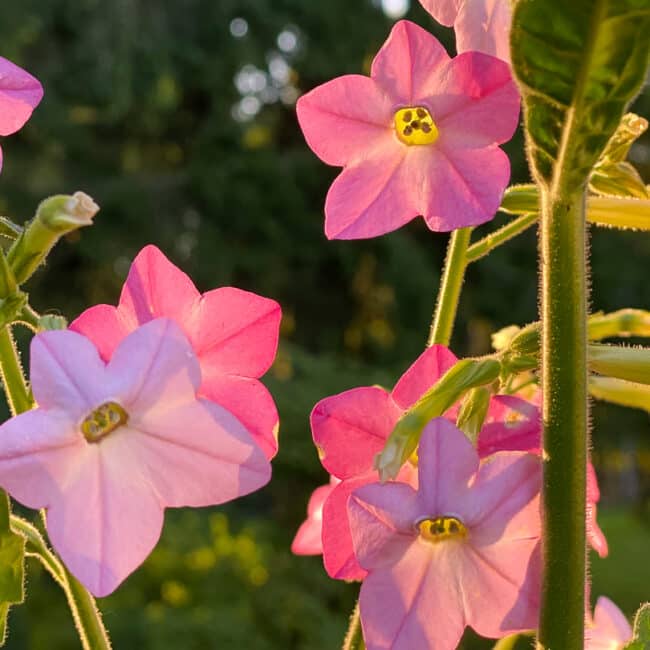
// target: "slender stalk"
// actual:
[[354, 637], [486, 245], [450, 286], [565, 414], [13, 379]]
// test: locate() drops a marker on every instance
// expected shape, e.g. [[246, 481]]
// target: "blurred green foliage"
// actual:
[[144, 110]]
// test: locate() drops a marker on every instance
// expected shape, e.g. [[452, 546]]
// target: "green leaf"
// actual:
[[579, 64], [515, 642], [12, 566], [641, 639]]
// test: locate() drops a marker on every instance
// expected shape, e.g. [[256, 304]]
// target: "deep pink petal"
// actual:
[[308, 538], [197, 454], [104, 326], [444, 11], [350, 428], [371, 196], [20, 93], [154, 288], [446, 463], [251, 403], [425, 371], [610, 628], [39, 452], [236, 332], [153, 368], [343, 119], [416, 603], [105, 520], [475, 102], [406, 62], [484, 26], [66, 372]]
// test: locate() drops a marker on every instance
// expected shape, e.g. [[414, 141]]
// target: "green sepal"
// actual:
[[630, 129], [48, 322], [618, 179], [473, 411], [11, 306], [641, 638], [9, 229]]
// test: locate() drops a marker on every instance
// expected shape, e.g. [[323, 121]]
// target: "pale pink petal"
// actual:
[[154, 288], [610, 630], [350, 428], [40, 450], [106, 519], [446, 463], [474, 102], [370, 197], [103, 325], [595, 534], [346, 117], [417, 603], [236, 333], [251, 403], [484, 26], [66, 372], [457, 188], [20, 93], [196, 454], [406, 62], [154, 368], [308, 538], [444, 11], [383, 523], [425, 371]]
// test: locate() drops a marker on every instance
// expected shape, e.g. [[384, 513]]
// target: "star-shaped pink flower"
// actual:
[[234, 334], [609, 629], [480, 25], [419, 136], [111, 445], [462, 549], [20, 94]]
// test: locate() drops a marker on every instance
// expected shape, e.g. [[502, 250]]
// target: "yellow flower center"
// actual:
[[439, 529], [103, 420], [414, 125]]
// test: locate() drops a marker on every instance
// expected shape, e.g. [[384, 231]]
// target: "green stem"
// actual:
[[450, 286], [486, 245], [565, 415], [354, 637], [16, 389]]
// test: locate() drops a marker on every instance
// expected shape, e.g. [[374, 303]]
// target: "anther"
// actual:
[[438, 529], [415, 126], [103, 420]]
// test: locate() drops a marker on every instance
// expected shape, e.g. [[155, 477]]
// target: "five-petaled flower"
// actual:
[[20, 94], [419, 136], [111, 445], [462, 549], [234, 334], [609, 629]]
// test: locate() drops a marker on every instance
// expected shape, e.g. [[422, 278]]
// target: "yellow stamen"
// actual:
[[438, 529], [103, 420], [414, 125]]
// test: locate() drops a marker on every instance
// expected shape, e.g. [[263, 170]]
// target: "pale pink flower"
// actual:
[[609, 629], [419, 136], [462, 549], [20, 94], [351, 428], [480, 25], [111, 445], [308, 538], [234, 334]]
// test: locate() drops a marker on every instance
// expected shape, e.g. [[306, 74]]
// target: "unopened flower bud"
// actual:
[[631, 364], [621, 392]]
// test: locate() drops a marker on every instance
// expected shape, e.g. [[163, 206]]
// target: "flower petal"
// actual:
[[308, 539], [425, 371], [20, 93], [444, 11], [350, 428], [345, 118], [484, 26], [611, 628], [104, 326], [236, 332], [197, 454], [474, 102], [251, 403], [406, 62]]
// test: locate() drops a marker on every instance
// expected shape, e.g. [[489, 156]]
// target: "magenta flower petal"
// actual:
[[20, 94], [103, 325], [407, 61], [350, 428], [308, 540], [340, 118], [609, 630]]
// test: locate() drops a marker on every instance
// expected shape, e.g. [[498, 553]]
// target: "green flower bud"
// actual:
[[631, 364]]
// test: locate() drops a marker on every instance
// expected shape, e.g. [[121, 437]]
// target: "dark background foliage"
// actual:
[[179, 119]]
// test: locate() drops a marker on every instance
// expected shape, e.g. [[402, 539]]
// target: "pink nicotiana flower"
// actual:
[[20, 94], [480, 25], [609, 629], [462, 549], [111, 445], [351, 428], [419, 136], [308, 538], [234, 334]]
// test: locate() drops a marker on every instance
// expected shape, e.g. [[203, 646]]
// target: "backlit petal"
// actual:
[[20, 93], [104, 326], [484, 26]]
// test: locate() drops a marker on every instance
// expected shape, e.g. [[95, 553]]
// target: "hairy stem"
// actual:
[[13, 379], [486, 245], [354, 637]]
